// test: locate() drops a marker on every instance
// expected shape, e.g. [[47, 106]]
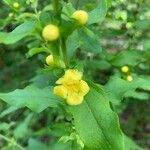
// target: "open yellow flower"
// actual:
[[71, 87]]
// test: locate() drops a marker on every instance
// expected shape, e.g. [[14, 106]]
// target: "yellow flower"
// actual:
[[71, 87], [16, 5], [129, 78], [51, 32], [81, 16], [125, 69], [49, 60]]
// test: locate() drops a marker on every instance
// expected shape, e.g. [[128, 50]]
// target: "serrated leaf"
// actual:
[[18, 33], [32, 97], [95, 122]]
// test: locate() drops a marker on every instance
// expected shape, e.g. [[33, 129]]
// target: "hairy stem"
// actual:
[[12, 142]]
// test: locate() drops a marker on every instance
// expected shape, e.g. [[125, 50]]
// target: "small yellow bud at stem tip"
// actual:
[[129, 78], [16, 5], [81, 16], [49, 60], [125, 69], [50, 32]]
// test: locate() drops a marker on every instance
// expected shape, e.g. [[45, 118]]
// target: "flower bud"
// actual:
[[125, 69], [49, 60], [50, 32], [81, 16], [16, 5], [129, 78]]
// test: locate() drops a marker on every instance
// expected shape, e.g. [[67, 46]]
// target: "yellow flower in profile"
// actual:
[[125, 69], [71, 87]]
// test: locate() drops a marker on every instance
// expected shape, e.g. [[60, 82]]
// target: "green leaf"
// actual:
[[34, 144], [5, 126], [95, 122], [18, 33], [7, 111], [89, 41], [146, 44], [46, 18], [130, 144], [142, 24], [22, 130], [117, 88], [36, 50], [72, 43], [32, 97], [128, 57], [63, 146], [67, 11], [98, 15], [137, 95]]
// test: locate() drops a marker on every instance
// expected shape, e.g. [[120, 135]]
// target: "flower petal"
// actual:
[[60, 91], [60, 81], [74, 99], [84, 88], [73, 75]]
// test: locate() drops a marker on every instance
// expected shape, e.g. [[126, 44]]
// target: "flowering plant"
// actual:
[[81, 113]]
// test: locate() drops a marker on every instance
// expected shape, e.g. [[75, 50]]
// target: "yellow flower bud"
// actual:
[[125, 69], [49, 60], [16, 5], [11, 14], [50, 32], [81, 16], [129, 25], [129, 78]]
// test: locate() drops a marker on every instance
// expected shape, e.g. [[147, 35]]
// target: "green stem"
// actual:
[[57, 8], [12, 142], [64, 51], [77, 3]]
